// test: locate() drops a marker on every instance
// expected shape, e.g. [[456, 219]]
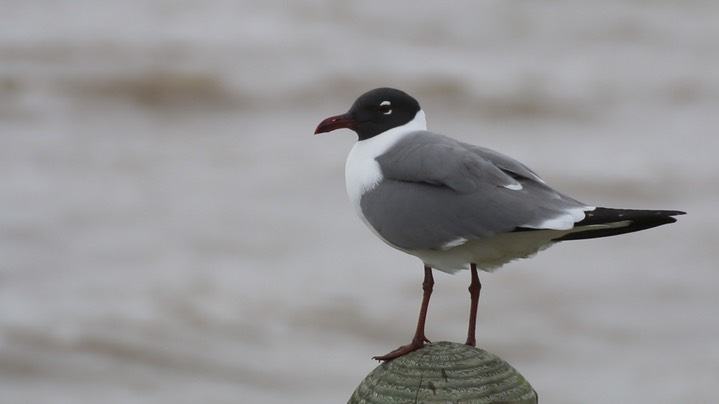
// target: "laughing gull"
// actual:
[[455, 205]]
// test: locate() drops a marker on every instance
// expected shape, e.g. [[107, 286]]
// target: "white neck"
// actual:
[[362, 172]]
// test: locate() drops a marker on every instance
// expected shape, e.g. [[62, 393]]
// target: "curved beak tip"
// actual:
[[335, 122]]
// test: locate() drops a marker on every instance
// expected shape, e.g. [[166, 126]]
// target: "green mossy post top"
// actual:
[[445, 372]]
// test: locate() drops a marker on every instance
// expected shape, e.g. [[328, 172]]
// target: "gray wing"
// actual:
[[504, 163], [517, 170], [437, 192]]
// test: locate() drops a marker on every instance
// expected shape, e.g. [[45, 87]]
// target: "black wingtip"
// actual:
[[636, 220]]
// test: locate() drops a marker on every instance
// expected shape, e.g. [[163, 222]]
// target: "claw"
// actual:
[[403, 350]]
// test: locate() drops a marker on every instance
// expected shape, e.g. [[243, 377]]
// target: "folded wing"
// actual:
[[438, 193]]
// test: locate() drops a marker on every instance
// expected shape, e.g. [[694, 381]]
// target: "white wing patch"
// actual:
[[565, 221], [515, 186], [454, 243]]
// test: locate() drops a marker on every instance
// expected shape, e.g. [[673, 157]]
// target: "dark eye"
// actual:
[[385, 107]]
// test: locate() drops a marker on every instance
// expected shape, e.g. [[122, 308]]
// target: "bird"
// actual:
[[455, 205]]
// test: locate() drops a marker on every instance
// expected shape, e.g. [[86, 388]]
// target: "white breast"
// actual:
[[362, 171]]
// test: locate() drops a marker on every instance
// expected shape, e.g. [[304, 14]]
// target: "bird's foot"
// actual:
[[417, 343]]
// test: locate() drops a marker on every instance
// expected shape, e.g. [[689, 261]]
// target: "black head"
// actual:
[[374, 112]]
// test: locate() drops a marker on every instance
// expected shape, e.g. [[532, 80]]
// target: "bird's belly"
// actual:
[[489, 253]]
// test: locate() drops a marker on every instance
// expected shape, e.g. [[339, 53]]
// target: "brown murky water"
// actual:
[[171, 231]]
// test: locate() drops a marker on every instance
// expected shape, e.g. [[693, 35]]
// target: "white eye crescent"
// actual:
[[385, 107]]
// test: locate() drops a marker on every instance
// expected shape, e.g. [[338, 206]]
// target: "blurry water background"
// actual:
[[172, 232]]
